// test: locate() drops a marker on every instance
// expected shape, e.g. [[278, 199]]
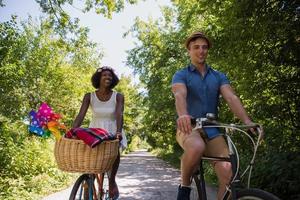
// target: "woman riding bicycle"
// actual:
[[107, 108]]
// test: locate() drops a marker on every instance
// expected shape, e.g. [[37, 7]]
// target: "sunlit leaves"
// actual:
[[37, 65], [57, 11], [134, 109], [156, 60], [33, 63]]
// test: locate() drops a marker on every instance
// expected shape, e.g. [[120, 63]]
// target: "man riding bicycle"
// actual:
[[196, 89]]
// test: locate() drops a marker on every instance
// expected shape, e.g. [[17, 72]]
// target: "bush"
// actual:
[[28, 169], [281, 174]]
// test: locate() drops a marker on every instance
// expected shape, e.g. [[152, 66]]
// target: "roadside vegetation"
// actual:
[[51, 60]]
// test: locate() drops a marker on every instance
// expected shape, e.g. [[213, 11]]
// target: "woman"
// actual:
[[107, 107]]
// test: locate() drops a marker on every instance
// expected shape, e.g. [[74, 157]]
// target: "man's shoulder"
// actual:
[[182, 70], [180, 75]]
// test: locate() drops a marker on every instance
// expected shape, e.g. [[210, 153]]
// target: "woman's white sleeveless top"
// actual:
[[103, 114]]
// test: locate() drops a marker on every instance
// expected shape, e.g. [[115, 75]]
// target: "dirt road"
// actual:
[[142, 176]]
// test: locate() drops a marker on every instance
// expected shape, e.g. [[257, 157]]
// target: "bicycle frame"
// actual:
[[233, 155]]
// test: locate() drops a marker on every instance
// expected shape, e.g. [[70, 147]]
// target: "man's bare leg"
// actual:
[[218, 147], [224, 172], [194, 147]]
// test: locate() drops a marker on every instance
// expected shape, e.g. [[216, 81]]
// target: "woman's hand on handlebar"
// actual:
[[184, 124], [119, 135]]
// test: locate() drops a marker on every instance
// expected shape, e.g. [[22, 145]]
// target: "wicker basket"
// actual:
[[75, 156]]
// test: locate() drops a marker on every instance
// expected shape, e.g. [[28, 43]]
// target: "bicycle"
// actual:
[[234, 191], [91, 187]]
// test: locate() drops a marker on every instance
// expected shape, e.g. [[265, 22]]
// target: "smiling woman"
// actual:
[[107, 107]]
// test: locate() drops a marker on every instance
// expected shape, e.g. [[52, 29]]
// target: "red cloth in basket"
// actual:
[[90, 136]]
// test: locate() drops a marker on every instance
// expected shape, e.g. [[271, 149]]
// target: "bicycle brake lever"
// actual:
[[260, 132]]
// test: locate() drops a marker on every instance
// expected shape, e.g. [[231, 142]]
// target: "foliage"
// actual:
[[257, 44], [137, 143], [265, 43], [106, 7], [36, 66], [155, 61], [62, 21], [133, 110], [39, 66], [50, 60], [26, 167]]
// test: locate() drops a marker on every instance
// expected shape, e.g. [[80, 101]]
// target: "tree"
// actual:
[[155, 61], [133, 110], [63, 22], [37, 66], [257, 44]]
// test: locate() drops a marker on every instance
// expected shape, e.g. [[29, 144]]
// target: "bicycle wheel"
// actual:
[[255, 194], [84, 188]]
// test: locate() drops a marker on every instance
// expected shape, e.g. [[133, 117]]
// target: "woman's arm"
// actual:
[[83, 109], [119, 112]]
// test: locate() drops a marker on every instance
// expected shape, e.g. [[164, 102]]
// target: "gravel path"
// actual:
[[142, 176]]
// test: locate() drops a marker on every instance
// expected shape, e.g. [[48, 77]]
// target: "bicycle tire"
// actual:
[[255, 194], [77, 186]]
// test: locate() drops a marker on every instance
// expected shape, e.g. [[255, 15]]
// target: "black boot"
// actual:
[[183, 193]]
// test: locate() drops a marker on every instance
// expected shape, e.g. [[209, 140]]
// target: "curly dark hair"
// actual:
[[97, 76]]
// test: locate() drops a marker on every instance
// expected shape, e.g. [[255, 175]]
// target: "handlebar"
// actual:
[[210, 121]]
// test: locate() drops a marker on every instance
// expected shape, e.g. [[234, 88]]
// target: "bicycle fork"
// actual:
[[91, 188], [231, 188]]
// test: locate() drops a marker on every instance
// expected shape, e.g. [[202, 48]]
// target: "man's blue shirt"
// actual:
[[202, 91]]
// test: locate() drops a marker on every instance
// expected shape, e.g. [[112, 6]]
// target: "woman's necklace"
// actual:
[[104, 96]]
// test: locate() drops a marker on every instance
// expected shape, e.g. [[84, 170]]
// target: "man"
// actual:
[[196, 89]]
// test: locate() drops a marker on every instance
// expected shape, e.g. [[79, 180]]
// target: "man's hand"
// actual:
[[184, 124], [253, 131], [258, 131]]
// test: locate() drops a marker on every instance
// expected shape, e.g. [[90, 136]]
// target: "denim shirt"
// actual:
[[202, 91]]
